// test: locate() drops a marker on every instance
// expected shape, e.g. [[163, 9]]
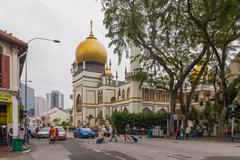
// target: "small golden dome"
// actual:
[[107, 72], [91, 50]]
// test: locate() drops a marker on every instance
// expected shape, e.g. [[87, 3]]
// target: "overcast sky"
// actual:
[[49, 64]]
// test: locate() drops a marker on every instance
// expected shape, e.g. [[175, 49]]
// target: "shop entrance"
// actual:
[[3, 124]]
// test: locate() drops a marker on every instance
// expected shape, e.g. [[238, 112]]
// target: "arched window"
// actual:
[[119, 94], [113, 99], [123, 94], [162, 110], [79, 104], [125, 110], [128, 92], [146, 109], [1, 60]]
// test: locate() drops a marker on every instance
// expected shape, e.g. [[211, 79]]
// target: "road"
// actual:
[[145, 149]]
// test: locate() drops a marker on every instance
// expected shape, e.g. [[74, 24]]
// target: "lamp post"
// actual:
[[25, 116], [233, 106]]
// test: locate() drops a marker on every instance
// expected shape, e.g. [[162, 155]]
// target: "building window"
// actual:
[[79, 104], [119, 94], [113, 99], [146, 109], [125, 110], [4, 70], [123, 94], [167, 96], [128, 92], [1, 55], [100, 97]]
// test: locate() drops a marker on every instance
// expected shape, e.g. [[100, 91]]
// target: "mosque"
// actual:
[[96, 95]]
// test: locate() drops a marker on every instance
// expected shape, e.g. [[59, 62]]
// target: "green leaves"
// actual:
[[145, 119]]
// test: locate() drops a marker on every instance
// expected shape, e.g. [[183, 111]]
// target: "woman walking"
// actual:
[[127, 132], [56, 135]]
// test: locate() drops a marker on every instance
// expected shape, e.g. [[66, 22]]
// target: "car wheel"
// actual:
[[93, 136]]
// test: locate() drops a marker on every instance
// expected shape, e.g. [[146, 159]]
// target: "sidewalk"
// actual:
[[202, 139], [5, 151]]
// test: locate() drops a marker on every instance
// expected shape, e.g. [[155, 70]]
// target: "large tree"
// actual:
[[218, 23], [165, 35]]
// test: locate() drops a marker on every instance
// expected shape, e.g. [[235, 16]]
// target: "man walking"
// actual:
[[113, 133]]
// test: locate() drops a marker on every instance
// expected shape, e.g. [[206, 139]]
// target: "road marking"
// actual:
[[96, 150], [120, 158], [26, 151], [173, 156], [152, 151], [179, 157], [107, 153]]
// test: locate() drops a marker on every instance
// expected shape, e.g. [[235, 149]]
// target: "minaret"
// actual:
[[135, 90], [135, 55]]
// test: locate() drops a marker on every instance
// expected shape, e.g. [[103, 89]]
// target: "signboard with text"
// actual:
[[179, 117], [6, 98]]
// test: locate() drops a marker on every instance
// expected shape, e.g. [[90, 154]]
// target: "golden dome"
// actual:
[[91, 50]]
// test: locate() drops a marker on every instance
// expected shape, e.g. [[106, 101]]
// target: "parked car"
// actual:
[[84, 133], [43, 133], [32, 131], [61, 133]]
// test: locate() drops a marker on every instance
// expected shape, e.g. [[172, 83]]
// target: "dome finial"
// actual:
[[91, 33]]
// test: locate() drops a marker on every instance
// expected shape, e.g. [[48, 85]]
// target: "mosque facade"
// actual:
[[96, 95]]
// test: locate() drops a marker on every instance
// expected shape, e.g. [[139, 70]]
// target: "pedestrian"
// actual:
[[56, 135], [10, 137], [21, 135], [37, 130], [113, 133], [127, 132], [1, 135], [101, 138], [4, 135], [187, 132], [51, 135], [178, 133], [182, 133]]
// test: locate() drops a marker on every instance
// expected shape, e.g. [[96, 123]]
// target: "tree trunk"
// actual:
[[222, 104], [221, 121], [173, 102]]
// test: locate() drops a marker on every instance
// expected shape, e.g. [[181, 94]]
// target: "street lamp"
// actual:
[[36, 38]]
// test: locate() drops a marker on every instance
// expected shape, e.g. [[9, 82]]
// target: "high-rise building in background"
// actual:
[[41, 106], [30, 98], [55, 99]]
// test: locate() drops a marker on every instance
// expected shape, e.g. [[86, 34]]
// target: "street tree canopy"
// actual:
[[168, 40]]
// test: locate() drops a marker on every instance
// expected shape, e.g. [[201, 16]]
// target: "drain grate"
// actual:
[[175, 142]]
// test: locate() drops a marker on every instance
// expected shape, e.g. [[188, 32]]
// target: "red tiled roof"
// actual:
[[11, 39]]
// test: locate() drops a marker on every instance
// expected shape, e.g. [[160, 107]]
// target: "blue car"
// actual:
[[84, 133]]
